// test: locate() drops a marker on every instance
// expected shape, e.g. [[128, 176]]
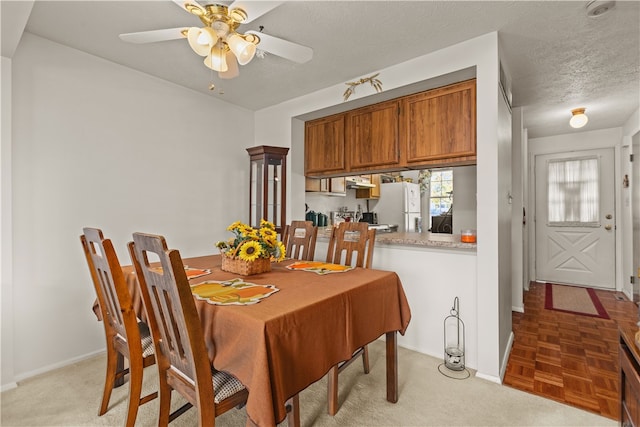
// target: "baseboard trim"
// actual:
[[505, 358], [62, 364], [517, 309], [491, 378], [9, 386]]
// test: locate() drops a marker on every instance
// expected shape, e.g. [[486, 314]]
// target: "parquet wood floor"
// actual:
[[567, 357]]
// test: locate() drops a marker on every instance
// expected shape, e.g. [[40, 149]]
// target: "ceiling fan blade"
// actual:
[[254, 9], [154, 35], [284, 48], [183, 5]]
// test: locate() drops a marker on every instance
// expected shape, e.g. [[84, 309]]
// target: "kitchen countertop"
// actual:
[[436, 240]]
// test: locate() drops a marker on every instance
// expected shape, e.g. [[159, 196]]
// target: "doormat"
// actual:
[[574, 300]]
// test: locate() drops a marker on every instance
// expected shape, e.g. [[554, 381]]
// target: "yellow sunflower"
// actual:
[[281, 251], [267, 224], [235, 225], [250, 251], [268, 235]]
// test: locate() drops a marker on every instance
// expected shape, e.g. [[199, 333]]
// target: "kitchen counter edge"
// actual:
[[413, 239]]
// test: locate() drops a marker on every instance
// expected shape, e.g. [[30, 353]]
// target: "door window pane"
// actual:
[[573, 192]]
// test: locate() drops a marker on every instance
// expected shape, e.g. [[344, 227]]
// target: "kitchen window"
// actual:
[[441, 201], [441, 191]]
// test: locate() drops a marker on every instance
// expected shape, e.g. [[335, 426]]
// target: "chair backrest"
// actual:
[[175, 325], [114, 298], [299, 239], [349, 240]]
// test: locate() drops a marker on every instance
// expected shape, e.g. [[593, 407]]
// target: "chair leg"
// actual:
[[109, 380], [365, 359], [165, 400], [332, 391], [293, 411], [135, 389]]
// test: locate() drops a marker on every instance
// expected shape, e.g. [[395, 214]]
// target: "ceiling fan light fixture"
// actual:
[[242, 49], [201, 40], [578, 118], [217, 59]]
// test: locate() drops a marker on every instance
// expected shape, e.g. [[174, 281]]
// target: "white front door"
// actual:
[[575, 218]]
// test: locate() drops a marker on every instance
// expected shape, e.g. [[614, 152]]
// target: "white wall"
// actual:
[[629, 196], [503, 212], [97, 144], [605, 138], [6, 288], [517, 227], [277, 125]]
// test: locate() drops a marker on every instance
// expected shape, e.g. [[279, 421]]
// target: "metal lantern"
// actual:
[[454, 339]]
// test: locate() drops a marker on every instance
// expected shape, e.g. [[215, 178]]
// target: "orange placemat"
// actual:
[[192, 273], [231, 292], [319, 267]]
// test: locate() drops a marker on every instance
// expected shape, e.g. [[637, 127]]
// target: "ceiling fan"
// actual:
[[218, 41]]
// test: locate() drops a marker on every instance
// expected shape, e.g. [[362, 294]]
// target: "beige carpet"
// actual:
[[70, 397]]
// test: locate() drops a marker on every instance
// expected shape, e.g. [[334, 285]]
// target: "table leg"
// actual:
[[332, 390], [392, 367]]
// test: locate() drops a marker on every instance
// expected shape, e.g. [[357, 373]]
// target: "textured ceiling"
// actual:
[[558, 57]]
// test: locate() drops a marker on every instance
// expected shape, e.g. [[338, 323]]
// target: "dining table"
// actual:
[[309, 321]]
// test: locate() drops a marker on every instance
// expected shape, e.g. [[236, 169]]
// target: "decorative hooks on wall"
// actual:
[[377, 84]]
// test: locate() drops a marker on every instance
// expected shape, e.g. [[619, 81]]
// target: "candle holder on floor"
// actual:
[[454, 343]]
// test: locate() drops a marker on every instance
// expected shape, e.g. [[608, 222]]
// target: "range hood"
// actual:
[[358, 182]]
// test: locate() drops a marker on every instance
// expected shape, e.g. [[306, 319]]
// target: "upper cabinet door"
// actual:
[[372, 136], [324, 150], [440, 124]]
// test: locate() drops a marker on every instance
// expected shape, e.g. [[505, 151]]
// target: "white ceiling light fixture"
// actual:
[[597, 8], [578, 118]]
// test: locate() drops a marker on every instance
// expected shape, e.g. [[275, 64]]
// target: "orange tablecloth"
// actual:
[[291, 339]]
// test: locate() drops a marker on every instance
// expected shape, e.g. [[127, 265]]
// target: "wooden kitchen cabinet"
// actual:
[[372, 136], [435, 128], [324, 146], [439, 126], [370, 193], [316, 185], [338, 185]]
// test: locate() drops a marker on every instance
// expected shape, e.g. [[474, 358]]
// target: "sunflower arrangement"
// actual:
[[249, 244]]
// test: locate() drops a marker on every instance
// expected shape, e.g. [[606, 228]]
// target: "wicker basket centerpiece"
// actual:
[[251, 250], [245, 268]]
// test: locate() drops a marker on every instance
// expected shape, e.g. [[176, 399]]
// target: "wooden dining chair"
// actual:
[[351, 243], [299, 239], [183, 361], [126, 336]]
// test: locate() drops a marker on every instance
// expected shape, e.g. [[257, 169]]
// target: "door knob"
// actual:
[[608, 216], [607, 227]]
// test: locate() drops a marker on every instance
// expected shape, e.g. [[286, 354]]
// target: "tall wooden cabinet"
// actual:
[[268, 185], [372, 138], [440, 125]]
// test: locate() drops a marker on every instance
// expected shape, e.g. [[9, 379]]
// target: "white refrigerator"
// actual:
[[399, 204]]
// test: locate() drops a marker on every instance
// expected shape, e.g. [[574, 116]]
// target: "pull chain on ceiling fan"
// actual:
[[222, 46]]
